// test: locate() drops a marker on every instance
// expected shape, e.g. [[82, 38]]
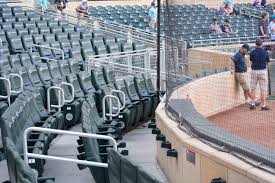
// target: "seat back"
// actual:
[[19, 171], [54, 70], [85, 81], [131, 90], [74, 81]]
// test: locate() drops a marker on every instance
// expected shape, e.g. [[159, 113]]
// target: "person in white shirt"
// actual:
[[152, 13], [271, 27]]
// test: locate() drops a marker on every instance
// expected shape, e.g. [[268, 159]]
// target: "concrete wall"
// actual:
[[209, 163]]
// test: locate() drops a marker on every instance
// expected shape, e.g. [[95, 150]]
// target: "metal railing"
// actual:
[[8, 90], [223, 41], [48, 47], [110, 102], [251, 12], [28, 155]]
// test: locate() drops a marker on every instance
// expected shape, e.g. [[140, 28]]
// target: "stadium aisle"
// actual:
[[141, 144]]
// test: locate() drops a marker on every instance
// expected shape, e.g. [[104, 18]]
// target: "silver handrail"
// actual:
[[48, 47], [123, 96], [72, 87], [8, 90], [63, 132], [252, 10], [110, 114], [60, 99], [12, 75]]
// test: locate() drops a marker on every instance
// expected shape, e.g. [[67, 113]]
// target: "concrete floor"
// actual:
[[140, 143]]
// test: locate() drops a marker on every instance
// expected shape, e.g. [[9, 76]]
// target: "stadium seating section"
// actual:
[[187, 22], [41, 68]]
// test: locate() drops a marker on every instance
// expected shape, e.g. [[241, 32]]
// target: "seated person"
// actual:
[[228, 10], [214, 27], [271, 27], [263, 3], [83, 8], [226, 27], [257, 3]]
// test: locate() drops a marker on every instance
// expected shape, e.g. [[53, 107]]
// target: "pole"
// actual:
[[158, 47]]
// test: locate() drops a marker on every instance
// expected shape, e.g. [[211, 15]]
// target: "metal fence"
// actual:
[[212, 106]]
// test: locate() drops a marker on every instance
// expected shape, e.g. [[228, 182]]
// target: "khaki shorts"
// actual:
[[242, 79], [259, 76]]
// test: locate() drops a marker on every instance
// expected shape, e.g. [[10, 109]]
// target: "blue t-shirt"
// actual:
[[239, 62], [153, 13], [259, 58]]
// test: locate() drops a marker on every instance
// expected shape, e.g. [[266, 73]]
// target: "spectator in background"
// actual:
[[240, 68], [271, 27], [83, 8], [257, 3], [226, 27], [214, 27], [60, 5], [259, 58], [263, 3], [263, 25], [44, 5], [228, 10], [153, 15]]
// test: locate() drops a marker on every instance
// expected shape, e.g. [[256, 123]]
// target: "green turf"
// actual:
[[271, 98]]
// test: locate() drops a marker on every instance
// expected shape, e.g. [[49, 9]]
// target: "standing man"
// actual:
[[241, 71], [263, 25], [260, 59], [153, 15]]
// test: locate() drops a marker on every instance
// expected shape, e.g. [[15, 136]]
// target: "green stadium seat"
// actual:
[[16, 45], [27, 41], [25, 59], [14, 61]]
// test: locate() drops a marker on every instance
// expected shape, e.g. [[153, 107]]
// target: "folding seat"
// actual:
[[85, 82], [71, 110], [149, 84], [5, 63], [9, 19], [35, 58], [12, 33], [53, 24], [4, 40], [34, 77], [76, 54], [57, 53], [22, 18], [49, 38], [85, 43], [17, 25], [14, 61], [16, 45], [19, 171], [46, 53], [126, 47], [133, 95], [80, 29], [74, 66], [87, 52], [22, 32], [6, 26], [65, 46], [143, 92], [64, 68], [46, 18], [86, 35], [18, 13], [138, 46], [44, 74], [29, 25], [109, 40], [54, 70], [38, 39], [61, 37], [113, 48], [55, 30], [97, 34], [24, 74], [30, 13], [74, 36], [75, 44], [78, 93], [97, 41], [68, 29], [120, 85], [100, 49], [62, 23], [41, 24], [121, 39], [44, 30]]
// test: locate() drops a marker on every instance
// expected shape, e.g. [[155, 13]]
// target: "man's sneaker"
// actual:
[[252, 107], [265, 109]]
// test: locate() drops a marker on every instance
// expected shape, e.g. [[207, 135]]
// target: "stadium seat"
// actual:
[[100, 49], [14, 61], [54, 70], [16, 45], [27, 41]]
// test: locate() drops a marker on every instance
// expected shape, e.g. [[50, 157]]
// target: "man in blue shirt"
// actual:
[[260, 59], [241, 71], [152, 13]]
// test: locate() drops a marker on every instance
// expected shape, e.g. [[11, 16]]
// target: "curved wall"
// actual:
[[209, 163]]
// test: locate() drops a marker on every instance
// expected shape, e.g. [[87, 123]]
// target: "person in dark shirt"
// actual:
[[260, 59], [263, 25], [241, 71], [226, 27]]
